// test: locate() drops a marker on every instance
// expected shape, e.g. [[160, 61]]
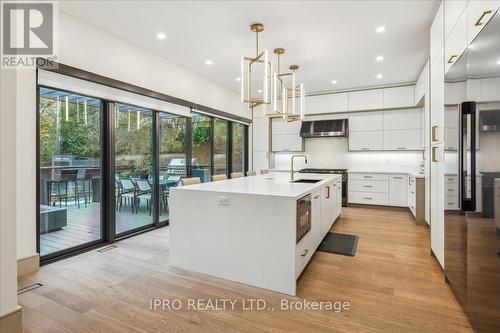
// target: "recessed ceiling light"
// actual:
[[260, 91], [379, 76], [380, 29], [379, 58], [161, 35], [498, 62], [238, 79], [208, 62], [334, 81]]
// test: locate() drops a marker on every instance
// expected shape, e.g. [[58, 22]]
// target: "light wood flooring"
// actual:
[[392, 284]]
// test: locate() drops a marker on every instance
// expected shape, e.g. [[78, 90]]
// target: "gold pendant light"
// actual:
[[248, 82]]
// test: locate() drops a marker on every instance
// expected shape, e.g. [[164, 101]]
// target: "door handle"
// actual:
[[434, 157], [478, 22], [468, 109], [328, 193], [452, 58], [434, 133], [306, 251]]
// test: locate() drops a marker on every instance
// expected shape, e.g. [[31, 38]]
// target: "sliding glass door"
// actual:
[[134, 174], [201, 147], [69, 171], [172, 159], [220, 146], [238, 148]]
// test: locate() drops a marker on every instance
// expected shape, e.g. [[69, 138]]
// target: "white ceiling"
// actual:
[[330, 40]]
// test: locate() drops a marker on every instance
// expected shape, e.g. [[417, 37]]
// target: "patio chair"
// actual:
[[251, 173], [144, 192], [264, 172], [83, 186], [173, 181], [128, 192]]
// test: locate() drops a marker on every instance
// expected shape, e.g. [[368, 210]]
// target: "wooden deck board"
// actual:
[[392, 284]]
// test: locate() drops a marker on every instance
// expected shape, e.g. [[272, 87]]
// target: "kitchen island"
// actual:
[[246, 229]]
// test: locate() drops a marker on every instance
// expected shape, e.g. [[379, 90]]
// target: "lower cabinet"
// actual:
[[398, 190], [452, 191]]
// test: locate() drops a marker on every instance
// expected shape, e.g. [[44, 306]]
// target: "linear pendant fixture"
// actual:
[[297, 113], [256, 91]]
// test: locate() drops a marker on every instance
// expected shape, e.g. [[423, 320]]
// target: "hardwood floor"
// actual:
[[392, 284]]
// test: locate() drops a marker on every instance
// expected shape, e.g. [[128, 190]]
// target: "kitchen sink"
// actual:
[[307, 180]]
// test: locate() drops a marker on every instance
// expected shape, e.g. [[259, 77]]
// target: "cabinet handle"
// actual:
[[365, 148], [306, 251], [316, 196], [369, 186], [367, 176], [368, 198], [434, 158], [397, 177], [328, 193], [402, 148], [434, 133], [452, 59], [478, 22], [450, 190]]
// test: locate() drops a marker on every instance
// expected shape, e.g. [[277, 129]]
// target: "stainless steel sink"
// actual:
[[307, 180]]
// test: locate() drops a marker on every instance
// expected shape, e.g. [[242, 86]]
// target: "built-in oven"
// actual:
[[303, 216]]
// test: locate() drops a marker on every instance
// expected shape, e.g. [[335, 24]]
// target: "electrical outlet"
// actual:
[[223, 201]]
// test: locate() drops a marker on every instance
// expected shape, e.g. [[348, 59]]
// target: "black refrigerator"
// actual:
[[472, 230]]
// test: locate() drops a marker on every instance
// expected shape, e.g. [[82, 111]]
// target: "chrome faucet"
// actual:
[[291, 165]]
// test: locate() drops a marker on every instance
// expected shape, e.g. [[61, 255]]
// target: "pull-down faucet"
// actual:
[[291, 165]]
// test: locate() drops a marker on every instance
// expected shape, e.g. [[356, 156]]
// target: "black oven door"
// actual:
[[303, 216]]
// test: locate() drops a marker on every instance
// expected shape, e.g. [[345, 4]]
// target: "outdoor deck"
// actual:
[[83, 226]]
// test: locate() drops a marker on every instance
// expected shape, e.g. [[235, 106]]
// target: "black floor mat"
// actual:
[[339, 244]]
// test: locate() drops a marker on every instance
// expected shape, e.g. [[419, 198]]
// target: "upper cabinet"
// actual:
[[479, 12], [452, 10], [455, 92], [457, 41], [366, 121], [437, 33], [285, 136], [399, 97], [328, 103], [366, 100]]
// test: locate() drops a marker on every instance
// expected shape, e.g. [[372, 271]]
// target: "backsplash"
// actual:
[[333, 153]]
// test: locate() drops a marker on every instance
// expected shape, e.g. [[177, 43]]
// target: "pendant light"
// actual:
[[248, 67], [292, 93]]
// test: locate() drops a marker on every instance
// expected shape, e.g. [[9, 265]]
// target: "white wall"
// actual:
[[333, 153], [86, 47]]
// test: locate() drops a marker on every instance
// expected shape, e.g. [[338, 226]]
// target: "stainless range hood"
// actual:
[[324, 128]]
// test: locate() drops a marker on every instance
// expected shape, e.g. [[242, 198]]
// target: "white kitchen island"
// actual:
[[245, 229]]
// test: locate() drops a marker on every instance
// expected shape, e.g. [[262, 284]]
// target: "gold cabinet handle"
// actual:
[[434, 133], [478, 22], [306, 251], [452, 58], [328, 193], [434, 157]]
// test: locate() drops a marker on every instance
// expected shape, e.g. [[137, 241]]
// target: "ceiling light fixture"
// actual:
[[209, 62], [380, 29], [248, 81], [334, 81], [161, 36], [380, 76], [498, 62], [379, 58], [238, 79]]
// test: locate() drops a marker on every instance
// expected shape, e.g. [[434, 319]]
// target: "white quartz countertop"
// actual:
[[414, 174], [273, 184]]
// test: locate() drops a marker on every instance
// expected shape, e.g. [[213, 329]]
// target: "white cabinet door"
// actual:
[[455, 92], [261, 134], [402, 140], [260, 160], [397, 190], [437, 98], [366, 121], [365, 141], [452, 11], [339, 199], [366, 100], [281, 126], [457, 42], [287, 142], [451, 116], [402, 119], [490, 89], [399, 97], [451, 138], [329, 103], [479, 13], [316, 216]]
